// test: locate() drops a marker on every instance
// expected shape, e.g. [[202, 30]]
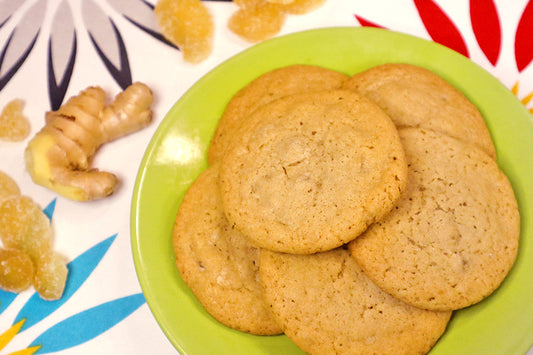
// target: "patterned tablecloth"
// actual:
[[50, 50]]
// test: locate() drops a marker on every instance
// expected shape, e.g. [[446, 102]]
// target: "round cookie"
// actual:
[[309, 172], [272, 85], [326, 305], [416, 97], [218, 263], [453, 236]]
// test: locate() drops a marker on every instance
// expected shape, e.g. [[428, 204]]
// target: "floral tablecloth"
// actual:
[[51, 50]]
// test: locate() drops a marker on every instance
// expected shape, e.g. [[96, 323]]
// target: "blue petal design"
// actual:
[[5, 299], [36, 309], [49, 210], [86, 325]]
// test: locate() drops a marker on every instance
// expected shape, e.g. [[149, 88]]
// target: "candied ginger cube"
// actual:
[[250, 4], [50, 276], [188, 25], [300, 7], [8, 187], [26, 233], [257, 23], [14, 126], [283, 2], [24, 226], [16, 270]]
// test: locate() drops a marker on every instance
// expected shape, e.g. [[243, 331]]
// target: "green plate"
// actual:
[[501, 324]]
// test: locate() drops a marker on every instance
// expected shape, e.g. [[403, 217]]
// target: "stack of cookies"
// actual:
[[353, 214]]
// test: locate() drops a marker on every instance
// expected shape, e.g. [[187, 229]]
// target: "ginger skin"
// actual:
[[60, 154]]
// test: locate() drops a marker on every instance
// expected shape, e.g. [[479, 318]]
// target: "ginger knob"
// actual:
[[60, 154]]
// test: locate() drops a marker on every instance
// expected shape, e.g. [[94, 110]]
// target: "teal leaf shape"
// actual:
[[49, 210], [36, 309], [5, 299], [86, 325]]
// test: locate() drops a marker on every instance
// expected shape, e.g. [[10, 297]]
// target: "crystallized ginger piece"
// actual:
[[26, 233], [24, 226], [16, 270], [300, 7], [8, 187], [257, 23], [283, 2], [249, 4], [188, 25], [50, 276], [14, 126]]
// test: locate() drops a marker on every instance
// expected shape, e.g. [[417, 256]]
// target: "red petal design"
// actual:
[[523, 45], [364, 22], [440, 27], [486, 26]]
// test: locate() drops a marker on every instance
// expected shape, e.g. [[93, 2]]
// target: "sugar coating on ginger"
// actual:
[[258, 20], [16, 270], [300, 7], [188, 25], [258, 23], [27, 257], [8, 187], [14, 126]]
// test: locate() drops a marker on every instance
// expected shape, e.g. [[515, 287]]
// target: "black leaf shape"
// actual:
[[4, 79], [5, 21], [57, 90], [9, 7], [62, 50], [121, 75], [155, 34], [142, 18]]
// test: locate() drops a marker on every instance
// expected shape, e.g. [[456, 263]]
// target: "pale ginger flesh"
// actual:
[[59, 156]]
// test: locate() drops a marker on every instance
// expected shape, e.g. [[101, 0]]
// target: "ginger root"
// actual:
[[60, 154]]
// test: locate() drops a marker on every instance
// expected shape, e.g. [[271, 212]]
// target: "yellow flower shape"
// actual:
[[526, 99], [9, 334]]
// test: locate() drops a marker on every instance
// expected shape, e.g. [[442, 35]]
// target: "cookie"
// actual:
[[218, 263], [416, 97], [309, 172], [326, 305], [274, 84], [453, 236]]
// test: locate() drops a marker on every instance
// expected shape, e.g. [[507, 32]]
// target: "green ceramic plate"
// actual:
[[501, 324]]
